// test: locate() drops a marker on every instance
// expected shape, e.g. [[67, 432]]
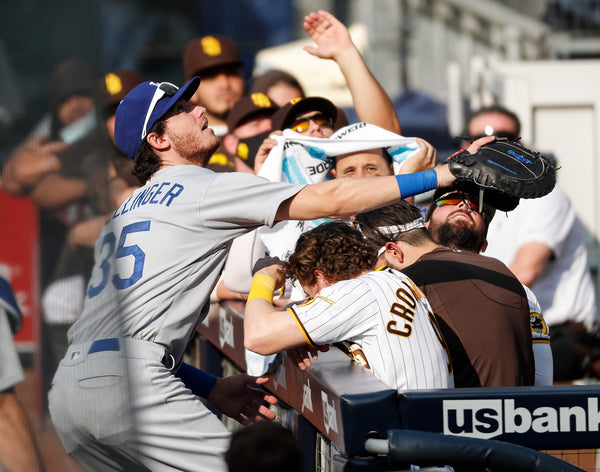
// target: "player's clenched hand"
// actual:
[[302, 356], [273, 267], [241, 398]]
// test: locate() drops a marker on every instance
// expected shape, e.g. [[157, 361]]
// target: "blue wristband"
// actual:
[[198, 381], [419, 182]]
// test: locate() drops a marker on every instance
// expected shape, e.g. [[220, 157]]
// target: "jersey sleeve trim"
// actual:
[[299, 323]]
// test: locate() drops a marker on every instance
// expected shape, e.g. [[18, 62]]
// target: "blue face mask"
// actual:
[[75, 131]]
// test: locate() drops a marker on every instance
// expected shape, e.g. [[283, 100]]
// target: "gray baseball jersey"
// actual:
[[162, 251], [114, 401], [388, 324]]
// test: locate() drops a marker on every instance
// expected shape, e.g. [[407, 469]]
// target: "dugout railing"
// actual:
[[344, 403]]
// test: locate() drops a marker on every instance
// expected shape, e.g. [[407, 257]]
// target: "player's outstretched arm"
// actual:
[[371, 101], [341, 198]]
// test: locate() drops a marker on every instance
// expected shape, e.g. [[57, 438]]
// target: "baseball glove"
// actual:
[[505, 171]]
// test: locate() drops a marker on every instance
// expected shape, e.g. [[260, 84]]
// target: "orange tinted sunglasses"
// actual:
[[301, 125]]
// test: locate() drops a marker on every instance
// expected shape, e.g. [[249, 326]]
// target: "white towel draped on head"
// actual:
[[305, 160]]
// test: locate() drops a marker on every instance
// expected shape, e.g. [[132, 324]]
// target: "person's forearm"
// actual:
[[371, 102], [198, 381], [54, 191], [258, 318], [266, 329], [529, 262], [340, 198], [18, 450]]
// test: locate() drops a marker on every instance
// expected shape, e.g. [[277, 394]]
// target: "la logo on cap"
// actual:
[[211, 46]]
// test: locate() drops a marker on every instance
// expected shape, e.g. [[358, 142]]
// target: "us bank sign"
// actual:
[[491, 418], [557, 417]]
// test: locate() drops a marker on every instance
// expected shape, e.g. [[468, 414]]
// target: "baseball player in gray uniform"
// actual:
[[122, 399], [382, 318]]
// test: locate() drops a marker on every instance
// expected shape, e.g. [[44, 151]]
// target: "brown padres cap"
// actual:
[[119, 83], [207, 52], [249, 107]]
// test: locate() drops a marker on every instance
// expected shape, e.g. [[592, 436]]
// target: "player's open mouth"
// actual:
[[461, 215], [205, 126]]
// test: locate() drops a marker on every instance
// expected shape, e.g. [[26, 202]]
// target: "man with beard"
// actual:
[[482, 309]]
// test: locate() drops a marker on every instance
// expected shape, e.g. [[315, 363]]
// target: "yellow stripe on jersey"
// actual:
[[417, 292], [312, 300], [304, 333]]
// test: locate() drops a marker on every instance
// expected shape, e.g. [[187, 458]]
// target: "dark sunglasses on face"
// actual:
[[302, 124], [454, 198]]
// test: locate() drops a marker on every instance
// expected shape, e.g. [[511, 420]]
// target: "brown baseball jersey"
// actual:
[[483, 313]]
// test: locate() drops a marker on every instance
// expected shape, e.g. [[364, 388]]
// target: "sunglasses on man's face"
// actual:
[[454, 198], [164, 89], [302, 124]]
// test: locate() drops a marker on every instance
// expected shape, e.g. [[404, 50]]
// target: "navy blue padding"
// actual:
[[426, 449]]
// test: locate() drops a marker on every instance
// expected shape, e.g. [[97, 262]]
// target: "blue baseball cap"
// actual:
[[144, 106]]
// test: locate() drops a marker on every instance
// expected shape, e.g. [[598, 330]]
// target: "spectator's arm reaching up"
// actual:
[[371, 101]]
